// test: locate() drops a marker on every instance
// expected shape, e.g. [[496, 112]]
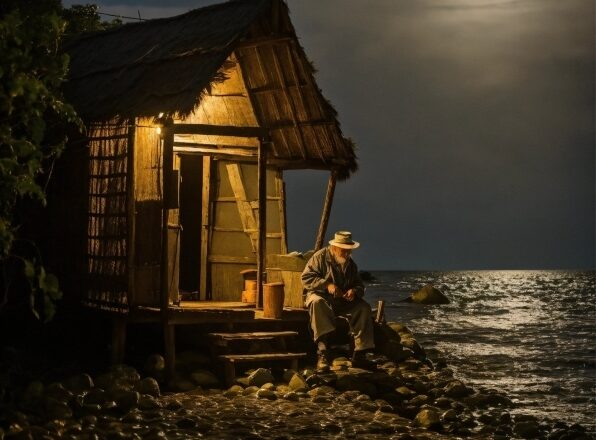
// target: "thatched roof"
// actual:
[[166, 65]]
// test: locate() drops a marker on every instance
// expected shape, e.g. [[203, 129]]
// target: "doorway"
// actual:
[[191, 186]]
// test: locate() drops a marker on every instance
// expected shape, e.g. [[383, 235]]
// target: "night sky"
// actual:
[[474, 121]]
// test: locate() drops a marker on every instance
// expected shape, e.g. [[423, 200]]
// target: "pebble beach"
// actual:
[[408, 397]]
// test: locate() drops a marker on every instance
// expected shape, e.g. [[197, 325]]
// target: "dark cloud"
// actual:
[[475, 126]]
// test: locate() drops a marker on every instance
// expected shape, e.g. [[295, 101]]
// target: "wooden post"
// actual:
[[262, 220], [205, 226], [380, 311], [118, 338], [168, 163], [326, 210]]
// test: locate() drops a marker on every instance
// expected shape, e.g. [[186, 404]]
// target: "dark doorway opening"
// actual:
[[191, 187]]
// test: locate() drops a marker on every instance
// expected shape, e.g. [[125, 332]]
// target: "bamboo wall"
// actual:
[[107, 244]]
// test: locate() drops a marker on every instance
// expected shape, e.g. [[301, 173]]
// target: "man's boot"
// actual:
[[323, 362], [359, 361]]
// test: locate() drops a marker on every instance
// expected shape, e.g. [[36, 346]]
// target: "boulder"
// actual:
[[79, 383], [428, 295], [260, 377], [148, 385], [205, 379], [155, 364], [456, 389], [527, 429], [297, 383], [428, 418]]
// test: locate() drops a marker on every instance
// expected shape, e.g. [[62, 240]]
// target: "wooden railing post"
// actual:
[[326, 210], [262, 219]]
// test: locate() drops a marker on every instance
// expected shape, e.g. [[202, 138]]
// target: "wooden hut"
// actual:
[[191, 122]]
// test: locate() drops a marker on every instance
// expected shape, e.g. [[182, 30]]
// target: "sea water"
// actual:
[[530, 334]]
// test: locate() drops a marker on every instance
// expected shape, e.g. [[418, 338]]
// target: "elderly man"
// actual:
[[334, 288]]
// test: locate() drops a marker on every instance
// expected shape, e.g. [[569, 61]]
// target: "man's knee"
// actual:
[[362, 307], [317, 302]]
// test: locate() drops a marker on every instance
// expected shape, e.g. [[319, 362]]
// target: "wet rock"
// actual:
[[351, 382], [405, 391], [250, 390], [104, 381], [428, 295], [260, 377], [80, 383], [148, 385], [321, 391], [527, 429], [147, 402], [268, 386], [419, 400], [457, 389], [291, 396], [155, 365], [288, 375], [57, 391], [282, 389], [321, 399], [449, 416], [205, 379], [481, 400], [55, 409], [341, 362], [173, 405], [125, 373], [127, 400], [429, 419], [266, 394]]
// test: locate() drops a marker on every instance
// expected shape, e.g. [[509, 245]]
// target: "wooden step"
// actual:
[[236, 358], [252, 335], [230, 360]]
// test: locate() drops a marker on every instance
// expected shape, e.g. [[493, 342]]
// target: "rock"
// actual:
[[125, 373], [80, 383], [321, 391], [297, 383], [291, 396], [104, 381], [341, 362], [55, 409], [429, 419], [205, 379], [405, 391], [449, 416], [250, 390], [183, 385], [527, 429], [266, 394], [268, 386], [349, 382], [260, 377], [457, 389], [147, 403], [321, 399], [428, 295], [155, 364], [57, 391], [127, 400], [288, 375], [148, 385], [419, 400]]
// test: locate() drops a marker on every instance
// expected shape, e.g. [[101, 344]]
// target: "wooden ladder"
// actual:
[[222, 341]]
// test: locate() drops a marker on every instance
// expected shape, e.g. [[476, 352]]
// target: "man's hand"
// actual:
[[334, 290], [350, 295]]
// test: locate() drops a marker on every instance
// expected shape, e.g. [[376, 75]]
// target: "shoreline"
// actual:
[[408, 397]]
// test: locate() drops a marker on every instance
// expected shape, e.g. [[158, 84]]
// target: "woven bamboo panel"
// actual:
[[107, 217]]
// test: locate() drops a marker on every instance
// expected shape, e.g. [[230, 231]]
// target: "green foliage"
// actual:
[[85, 18], [33, 122]]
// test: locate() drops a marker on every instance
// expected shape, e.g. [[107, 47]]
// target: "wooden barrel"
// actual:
[[249, 296], [273, 300], [250, 285]]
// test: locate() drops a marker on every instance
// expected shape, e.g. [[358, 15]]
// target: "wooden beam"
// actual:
[[281, 206], [168, 163], [220, 130], [262, 220], [244, 208], [188, 149], [205, 227], [326, 210], [263, 41]]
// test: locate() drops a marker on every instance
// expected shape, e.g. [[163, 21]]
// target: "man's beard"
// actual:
[[340, 260]]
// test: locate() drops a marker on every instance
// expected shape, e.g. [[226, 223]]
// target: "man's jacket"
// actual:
[[322, 270]]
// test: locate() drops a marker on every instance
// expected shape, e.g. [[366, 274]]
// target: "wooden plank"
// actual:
[[262, 220], [326, 210], [253, 335], [188, 149], [230, 259], [220, 130], [167, 159], [260, 357], [205, 226], [246, 213], [380, 311], [281, 190]]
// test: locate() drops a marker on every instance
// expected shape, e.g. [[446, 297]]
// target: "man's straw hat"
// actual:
[[343, 239]]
